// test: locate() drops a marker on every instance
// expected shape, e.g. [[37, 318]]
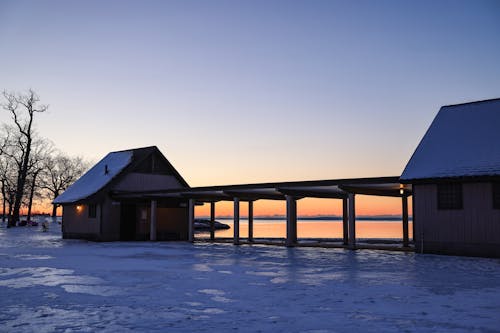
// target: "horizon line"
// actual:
[[311, 217]]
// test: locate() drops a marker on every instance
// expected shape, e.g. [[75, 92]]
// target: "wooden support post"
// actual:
[[405, 221], [191, 220], [345, 222], [212, 220], [236, 225], [352, 222], [414, 233], [152, 226], [291, 221], [250, 221]]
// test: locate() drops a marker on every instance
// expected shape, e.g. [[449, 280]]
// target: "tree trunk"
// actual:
[[9, 221], [54, 211], [21, 181], [32, 193], [4, 201], [54, 206]]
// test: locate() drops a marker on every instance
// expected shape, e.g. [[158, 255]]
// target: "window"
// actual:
[[92, 211], [450, 196], [496, 195]]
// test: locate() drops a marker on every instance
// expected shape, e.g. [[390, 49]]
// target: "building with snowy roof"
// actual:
[[91, 212], [455, 177]]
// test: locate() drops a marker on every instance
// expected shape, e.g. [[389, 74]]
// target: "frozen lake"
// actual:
[[314, 229], [52, 285]]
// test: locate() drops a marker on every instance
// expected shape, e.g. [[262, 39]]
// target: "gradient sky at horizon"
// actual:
[[250, 91]]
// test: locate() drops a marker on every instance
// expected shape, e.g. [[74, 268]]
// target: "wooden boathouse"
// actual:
[[90, 212], [455, 176]]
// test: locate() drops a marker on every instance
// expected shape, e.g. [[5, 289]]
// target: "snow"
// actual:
[[48, 284], [96, 178], [462, 140]]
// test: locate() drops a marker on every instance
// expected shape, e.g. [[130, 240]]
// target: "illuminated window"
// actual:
[[496, 195], [450, 196], [92, 211]]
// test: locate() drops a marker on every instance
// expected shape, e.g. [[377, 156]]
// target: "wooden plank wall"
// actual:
[[476, 223]]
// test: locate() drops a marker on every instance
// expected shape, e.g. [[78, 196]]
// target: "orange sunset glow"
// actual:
[[365, 205], [40, 208]]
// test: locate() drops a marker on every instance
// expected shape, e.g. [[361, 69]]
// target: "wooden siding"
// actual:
[[110, 229], [147, 182], [172, 224], [77, 224], [473, 230], [154, 164]]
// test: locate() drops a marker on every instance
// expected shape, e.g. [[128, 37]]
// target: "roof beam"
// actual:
[[255, 195], [313, 193], [374, 191], [207, 196]]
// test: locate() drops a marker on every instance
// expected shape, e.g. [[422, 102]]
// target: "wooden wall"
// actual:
[[473, 230], [110, 229], [77, 224], [146, 182], [172, 224]]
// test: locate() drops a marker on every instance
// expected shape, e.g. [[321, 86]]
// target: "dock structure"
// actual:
[[289, 192]]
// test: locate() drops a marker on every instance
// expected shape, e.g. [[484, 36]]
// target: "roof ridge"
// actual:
[[134, 149], [473, 102]]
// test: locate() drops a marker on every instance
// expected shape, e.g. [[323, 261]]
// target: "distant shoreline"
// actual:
[[318, 218], [283, 217]]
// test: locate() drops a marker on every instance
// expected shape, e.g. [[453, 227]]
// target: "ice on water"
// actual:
[[52, 285]]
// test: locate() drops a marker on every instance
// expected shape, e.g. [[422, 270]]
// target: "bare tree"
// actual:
[[41, 152], [7, 180], [8, 169], [22, 108], [60, 171], [4, 167]]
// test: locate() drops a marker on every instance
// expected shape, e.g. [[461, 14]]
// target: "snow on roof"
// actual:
[[463, 140], [97, 177]]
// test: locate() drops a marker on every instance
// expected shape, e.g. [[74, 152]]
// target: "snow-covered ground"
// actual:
[[52, 285]]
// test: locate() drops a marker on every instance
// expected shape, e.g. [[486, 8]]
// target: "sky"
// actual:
[[251, 91]]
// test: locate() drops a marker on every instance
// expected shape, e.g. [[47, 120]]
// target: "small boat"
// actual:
[[201, 224]]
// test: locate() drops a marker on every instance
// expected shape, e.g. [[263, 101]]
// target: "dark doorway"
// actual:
[[127, 222]]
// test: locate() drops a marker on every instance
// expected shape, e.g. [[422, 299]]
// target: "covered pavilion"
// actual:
[[341, 189]]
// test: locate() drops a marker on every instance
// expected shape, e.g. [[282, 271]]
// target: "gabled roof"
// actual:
[[112, 166], [462, 141]]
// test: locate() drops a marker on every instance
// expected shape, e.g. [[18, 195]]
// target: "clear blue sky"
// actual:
[[250, 91]]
